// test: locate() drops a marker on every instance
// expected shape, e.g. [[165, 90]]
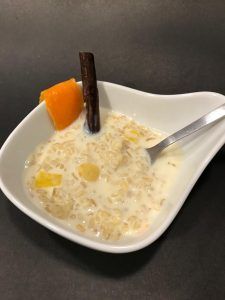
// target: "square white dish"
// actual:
[[168, 113]]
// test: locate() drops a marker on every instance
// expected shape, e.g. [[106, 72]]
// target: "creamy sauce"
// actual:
[[102, 185]]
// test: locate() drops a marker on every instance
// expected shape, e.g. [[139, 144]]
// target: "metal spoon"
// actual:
[[207, 119]]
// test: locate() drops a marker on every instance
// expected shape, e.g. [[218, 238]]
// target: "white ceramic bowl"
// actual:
[[166, 113]]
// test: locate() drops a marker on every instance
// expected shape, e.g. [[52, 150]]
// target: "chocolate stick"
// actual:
[[90, 91]]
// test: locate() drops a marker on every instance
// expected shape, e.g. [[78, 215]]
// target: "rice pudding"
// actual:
[[101, 185]]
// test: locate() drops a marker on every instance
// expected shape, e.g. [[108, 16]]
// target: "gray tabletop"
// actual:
[[156, 46]]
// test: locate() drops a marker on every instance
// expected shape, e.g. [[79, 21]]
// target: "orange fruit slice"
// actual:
[[64, 102]]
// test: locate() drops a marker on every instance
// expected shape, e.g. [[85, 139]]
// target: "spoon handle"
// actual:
[[207, 119]]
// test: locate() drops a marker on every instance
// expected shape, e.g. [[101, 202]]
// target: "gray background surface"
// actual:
[[157, 46]]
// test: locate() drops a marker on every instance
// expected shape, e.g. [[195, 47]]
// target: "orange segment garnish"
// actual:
[[64, 102]]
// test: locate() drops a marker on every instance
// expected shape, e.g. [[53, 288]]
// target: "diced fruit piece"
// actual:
[[64, 102], [132, 135], [135, 132], [131, 139], [89, 171], [44, 179]]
